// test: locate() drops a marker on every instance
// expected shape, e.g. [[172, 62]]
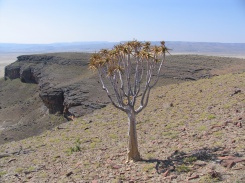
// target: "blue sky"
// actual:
[[49, 21]]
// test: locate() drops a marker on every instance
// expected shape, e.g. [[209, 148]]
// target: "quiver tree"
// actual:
[[127, 74]]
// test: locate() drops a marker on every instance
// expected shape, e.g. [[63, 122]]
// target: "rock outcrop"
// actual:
[[12, 72], [58, 91], [53, 98]]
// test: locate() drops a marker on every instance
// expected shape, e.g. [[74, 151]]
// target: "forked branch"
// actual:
[[125, 66]]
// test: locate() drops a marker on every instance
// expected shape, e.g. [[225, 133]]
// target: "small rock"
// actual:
[[161, 96], [4, 155], [171, 177], [239, 124], [200, 163], [217, 161], [183, 129], [193, 177], [165, 174], [225, 152], [69, 174], [11, 160], [116, 167], [228, 163], [214, 174], [171, 168], [237, 90], [226, 123]]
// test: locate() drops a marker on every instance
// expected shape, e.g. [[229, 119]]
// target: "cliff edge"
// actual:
[[41, 91], [58, 78]]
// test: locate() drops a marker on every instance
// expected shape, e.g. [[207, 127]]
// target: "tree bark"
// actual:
[[133, 152]]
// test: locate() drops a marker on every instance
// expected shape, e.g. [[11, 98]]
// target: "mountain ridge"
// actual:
[[176, 46]]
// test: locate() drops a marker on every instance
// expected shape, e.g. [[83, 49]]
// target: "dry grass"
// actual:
[[179, 121]]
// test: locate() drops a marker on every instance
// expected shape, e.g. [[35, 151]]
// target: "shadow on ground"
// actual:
[[182, 162]]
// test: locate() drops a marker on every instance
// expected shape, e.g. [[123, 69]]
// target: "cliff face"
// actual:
[[12, 72], [27, 68], [60, 88], [66, 86]]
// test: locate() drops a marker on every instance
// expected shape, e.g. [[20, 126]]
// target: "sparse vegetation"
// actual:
[[113, 136], [183, 168], [19, 170], [211, 116], [148, 167], [202, 128], [194, 152], [209, 179], [2, 173], [76, 148], [190, 159]]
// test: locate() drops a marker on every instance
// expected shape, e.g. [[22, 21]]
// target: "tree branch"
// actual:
[[158, 72], [108, 94], [146, 102]]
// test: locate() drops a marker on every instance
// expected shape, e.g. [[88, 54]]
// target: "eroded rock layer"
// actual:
[[60, 88]]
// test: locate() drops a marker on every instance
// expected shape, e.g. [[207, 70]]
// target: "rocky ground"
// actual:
[[190, 132]]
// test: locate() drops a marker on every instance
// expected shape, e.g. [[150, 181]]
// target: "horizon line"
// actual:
[[98, 42]]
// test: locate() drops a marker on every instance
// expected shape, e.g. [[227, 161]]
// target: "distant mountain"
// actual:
[[54, 47], [206, 47], [176, 46]]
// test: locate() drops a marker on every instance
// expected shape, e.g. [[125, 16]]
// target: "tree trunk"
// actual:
[[133, 153]]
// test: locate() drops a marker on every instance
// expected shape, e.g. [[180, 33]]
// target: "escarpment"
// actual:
[[65, 84], [67, 87]]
